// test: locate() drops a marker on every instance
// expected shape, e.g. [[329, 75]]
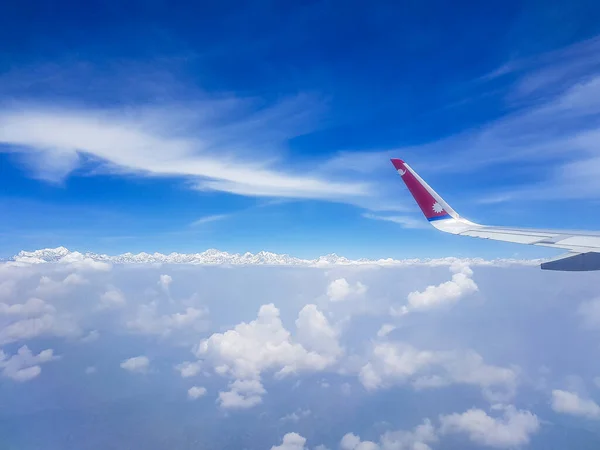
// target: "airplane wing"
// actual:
[[583, 247]]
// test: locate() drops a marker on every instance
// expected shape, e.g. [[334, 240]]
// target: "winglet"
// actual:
[[432, 205]]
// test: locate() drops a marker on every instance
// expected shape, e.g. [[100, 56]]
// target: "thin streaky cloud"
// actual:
[[403, 221], [209, 219]]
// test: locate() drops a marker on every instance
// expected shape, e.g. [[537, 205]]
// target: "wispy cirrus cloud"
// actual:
[[546, 139], [403, 221], [209, 219]]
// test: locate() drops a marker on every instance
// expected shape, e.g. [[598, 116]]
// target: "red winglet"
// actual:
[[432, 209]]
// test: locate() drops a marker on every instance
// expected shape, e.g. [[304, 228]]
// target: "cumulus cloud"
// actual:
[[448, 292], [138, 364], [264, 344], [24, 365], [31, 308], [291, 441], [165, 282], [385, 329], [514, 428], [189, 369], [570, 403], [92, 336], [111, 299], [398, 363], [296, 416], [195, 392], [45, 325], [417, 439], [148, 321], [296, 357], [339, 290], [242, 394]]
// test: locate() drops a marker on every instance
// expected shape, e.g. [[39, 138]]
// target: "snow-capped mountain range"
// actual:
[[216, 257]]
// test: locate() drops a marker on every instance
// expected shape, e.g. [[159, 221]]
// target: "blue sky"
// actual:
[[269, 126]]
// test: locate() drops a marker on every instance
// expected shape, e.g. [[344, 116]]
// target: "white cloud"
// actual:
[[75, 279], [209, 219], [92, 336], [195, 392], [264, 344], [291, 441], [148, 321], [111, 299], [296, 416], [448, 292], [340, 289], [138, 364], [24, 366], [47, 324], [385, 329], [513, 429], [189, 369], [418, 439], [31, 308], [398, 363], [570, 403], [152, 142], [316, 334], [165, 282], [403, 221], [78, 261], [242, 394]]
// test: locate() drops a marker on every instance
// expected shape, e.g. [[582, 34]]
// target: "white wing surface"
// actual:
[[583, 246]]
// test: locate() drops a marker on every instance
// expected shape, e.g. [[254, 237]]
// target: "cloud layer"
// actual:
[[278, 349]]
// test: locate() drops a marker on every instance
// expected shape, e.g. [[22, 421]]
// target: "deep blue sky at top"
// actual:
[[324, 89]]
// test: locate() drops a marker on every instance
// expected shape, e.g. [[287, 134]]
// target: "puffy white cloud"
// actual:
[[31, 308], [385, 329], [570, 403], [139, 364], [398, 362], [189, 369], [242, 394], [92, 336], [448, 292], [264, 344], [418, 439], [315, 333], [111, 299], [46, 325], [291, 441], [195, 392], [24, 366], [513, 429], [78, 261], [7, 288], [75, 279], [296, 416], [351, 441], [340, 289], [165, 281], [148, 321]]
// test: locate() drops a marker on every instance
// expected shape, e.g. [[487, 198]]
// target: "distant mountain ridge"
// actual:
[[217, 257]]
